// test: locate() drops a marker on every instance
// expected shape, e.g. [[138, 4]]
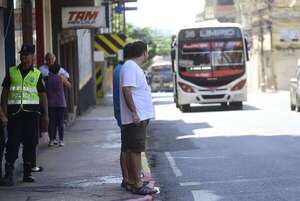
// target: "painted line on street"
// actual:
[[247, 180], [174, 167], [202, 195], [190, 184]]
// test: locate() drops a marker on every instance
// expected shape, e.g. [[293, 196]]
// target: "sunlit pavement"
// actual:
[[212, 154]]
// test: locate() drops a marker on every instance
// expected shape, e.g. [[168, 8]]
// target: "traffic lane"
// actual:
[[223, 130], [238, 159], [244, 178], [228, 175]]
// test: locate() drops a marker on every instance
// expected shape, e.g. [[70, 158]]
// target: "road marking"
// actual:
[[175, 169], [246, 180], [203, 195], [200, 158], [190, 184]]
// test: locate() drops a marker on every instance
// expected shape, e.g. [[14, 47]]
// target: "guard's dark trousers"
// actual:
[[22, 128], [2, 144]]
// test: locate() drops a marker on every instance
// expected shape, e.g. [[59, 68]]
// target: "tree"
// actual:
[[158, 43]]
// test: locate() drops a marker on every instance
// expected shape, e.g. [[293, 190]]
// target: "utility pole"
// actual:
[[261, 38], [270, 28]]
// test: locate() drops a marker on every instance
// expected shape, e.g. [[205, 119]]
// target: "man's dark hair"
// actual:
[[54, 68], [138, 48], [127, 51]]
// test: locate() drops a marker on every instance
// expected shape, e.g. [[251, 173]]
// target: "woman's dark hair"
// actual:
[[54, 68], [138, 48]]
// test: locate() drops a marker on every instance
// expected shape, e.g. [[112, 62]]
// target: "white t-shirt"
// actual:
[[133, 76], [45, 71]]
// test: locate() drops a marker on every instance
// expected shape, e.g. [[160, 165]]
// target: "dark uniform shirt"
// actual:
[[40, 88]]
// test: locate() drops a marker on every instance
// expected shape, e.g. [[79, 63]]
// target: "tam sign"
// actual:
[[83, 17]]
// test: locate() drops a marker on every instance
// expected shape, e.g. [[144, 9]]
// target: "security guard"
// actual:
[[23, 93]]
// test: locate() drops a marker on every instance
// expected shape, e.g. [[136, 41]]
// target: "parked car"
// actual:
[[295, 89]]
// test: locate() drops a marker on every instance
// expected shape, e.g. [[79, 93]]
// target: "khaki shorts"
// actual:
[[135, 136]]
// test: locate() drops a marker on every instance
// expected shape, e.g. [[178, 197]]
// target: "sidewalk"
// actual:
[[86, 168]]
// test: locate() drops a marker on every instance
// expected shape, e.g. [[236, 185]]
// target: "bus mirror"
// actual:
[[173, 59], [247, 50], [172, 54]]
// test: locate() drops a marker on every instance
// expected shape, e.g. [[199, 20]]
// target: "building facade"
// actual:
[[274, 34], [40, 22], [222, 10], [272, 28]]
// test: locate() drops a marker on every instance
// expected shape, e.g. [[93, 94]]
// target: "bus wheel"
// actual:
[[176, 103], [185, 108], [237, 105], [293, 107]]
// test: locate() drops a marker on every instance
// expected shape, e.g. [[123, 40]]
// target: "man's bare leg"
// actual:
[[135, 165], [124, 167]]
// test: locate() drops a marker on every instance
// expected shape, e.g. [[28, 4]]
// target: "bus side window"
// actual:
[[247, 50]]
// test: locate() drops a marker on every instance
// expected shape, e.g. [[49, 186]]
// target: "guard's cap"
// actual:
[[27, 49]]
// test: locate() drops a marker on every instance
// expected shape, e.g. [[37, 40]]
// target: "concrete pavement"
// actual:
[[86, 168]]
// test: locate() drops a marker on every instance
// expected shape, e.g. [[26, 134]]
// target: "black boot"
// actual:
[[8, 178], [27, 177], [1, 179]]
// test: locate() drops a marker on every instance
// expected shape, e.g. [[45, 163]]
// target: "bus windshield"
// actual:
[[207, 49]]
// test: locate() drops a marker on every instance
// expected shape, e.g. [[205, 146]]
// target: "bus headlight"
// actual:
[[239, 85], [186, 88]]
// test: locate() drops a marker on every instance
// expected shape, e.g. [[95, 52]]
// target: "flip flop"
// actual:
[[129, 187], [143, 190]]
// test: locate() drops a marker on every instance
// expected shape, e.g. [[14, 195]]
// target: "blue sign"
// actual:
[[121, 8], [130, 8]]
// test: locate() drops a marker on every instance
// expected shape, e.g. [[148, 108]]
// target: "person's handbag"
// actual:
[[44, 138]]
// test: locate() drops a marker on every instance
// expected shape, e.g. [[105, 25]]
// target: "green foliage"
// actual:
[[158, 43]]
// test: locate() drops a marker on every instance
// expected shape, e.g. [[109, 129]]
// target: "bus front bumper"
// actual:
[[211, 97]]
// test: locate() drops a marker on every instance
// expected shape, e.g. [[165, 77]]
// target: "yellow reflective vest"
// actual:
[[23, 91]]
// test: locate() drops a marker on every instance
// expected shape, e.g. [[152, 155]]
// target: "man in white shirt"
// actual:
[[50, 60], [136, 111]]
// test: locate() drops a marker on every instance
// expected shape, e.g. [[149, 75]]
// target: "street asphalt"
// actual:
[[212, 154]]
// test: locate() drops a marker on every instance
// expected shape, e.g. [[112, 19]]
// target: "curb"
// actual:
[[146, 198]]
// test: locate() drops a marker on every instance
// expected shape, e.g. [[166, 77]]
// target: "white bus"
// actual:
[[161, 76], [209, 65]]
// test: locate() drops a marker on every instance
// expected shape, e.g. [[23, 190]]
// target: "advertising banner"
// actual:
[[83, 17]]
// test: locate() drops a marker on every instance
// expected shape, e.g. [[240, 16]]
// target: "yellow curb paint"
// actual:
[[145, 164]]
